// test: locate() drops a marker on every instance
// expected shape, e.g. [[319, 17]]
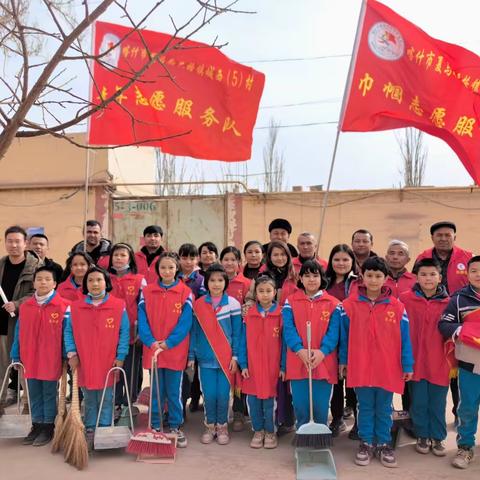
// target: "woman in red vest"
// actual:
[[164, 323], [75, 269], [259, 359], [96, 339], [38, 345], [311, 304], [127, 285]]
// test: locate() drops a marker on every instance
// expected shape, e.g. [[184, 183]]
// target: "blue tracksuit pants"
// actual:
[[262, 413], [374, 416], [428, 403], [43, 400], [216, 394], [91, 401], [469, 389], [322, 391], [171, 391]]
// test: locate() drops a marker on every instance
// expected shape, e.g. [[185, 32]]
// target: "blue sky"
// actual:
[[286, 29]]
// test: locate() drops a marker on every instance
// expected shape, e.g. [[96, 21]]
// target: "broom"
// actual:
[[59, 434], [152, 443], [75, 449], [311, 434]]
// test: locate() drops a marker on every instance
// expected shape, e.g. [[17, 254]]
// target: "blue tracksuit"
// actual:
[[321, 389], [92, 398], [463, 302], [374, 403], [214, 384], [170, 381]]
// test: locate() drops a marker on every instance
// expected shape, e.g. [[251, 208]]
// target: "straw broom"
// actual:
[[59, 434], [75, 449]]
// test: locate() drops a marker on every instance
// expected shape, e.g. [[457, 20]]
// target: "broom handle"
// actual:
[[5, 300], [63, 391], [154, 378], [310, 387], [75, 400]]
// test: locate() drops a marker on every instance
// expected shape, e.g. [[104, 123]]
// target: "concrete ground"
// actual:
[[230, 462]]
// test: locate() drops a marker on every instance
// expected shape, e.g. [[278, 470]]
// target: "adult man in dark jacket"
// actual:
[[39, 244], [96, 246]]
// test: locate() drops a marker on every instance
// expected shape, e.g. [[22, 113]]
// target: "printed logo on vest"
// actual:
[[131, 290], [54, 317], [276, 332], [461, 269], [178, 307], [325, 315], [390, 318], [109, 323]]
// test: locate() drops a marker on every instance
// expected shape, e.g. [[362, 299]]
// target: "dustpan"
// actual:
[[113, 436], [16, 425], [315, 464]]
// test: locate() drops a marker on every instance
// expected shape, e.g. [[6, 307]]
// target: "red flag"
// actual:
[[208, 95], [402, 77]]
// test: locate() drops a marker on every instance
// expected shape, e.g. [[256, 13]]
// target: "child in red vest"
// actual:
[[96, 339], [164, 323], [259, 359], [75, 269], [238, 287], [38, 345], [215, 342], [375, 347], [311, 303], [127, 285], [425, 303]]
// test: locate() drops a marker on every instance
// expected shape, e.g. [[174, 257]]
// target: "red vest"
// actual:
[[103, 262], [68, 291], [238, 288], [264, 347], [148, 271], [96, 330], [374, 344], [164, 307], [403, 284], [318, 312], [289, 288], [127, 287], [40, 338], [297, 264], [427, 342], [457, 267]]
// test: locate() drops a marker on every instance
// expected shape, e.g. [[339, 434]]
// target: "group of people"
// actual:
[[216, 324]]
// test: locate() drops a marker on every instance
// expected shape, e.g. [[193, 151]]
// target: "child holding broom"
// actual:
[[215, 342], [259, 359], [38, 345], [127, 285], [376, 357], [311, 303], [96, 338], [164, 323]]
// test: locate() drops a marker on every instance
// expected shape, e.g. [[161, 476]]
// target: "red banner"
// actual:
[[402, 77], [208, 95]]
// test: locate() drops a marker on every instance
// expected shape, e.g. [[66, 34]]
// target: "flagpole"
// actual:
[[346, 96]]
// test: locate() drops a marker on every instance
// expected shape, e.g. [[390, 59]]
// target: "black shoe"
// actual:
[[45, 436], [34, 432], [353, 434], [337, 427]]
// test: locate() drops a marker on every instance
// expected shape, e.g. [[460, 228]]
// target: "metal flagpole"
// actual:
[[346, 96]]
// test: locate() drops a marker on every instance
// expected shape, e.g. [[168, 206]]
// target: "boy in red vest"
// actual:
[[375, 347], [425, 303], [38, 345]]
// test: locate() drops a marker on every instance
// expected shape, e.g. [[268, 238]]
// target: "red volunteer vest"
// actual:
[[374, 344], [238, 288], [264, 347], [470, 332], [40, 338], [148, 271], [457, 267], [403, 284], [215, 335], [289, 288], [103, 262], [68, 291], [318, 312], [428, 344], [127, 288], [164, 307], [96, 330]]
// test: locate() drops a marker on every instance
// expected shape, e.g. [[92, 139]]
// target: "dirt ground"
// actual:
[[230, 462]]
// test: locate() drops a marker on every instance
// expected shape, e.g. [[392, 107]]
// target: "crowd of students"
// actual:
[[220, 324]]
